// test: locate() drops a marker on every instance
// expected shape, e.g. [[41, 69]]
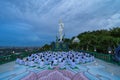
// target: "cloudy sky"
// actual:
[[35, 22]]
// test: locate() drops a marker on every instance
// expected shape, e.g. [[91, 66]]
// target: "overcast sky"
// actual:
[[35, 22]]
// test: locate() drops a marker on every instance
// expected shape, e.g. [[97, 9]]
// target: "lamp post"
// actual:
[[94, 49], [87, 48], [109, 50]]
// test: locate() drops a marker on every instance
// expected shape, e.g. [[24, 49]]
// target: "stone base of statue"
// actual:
[[59, 46]]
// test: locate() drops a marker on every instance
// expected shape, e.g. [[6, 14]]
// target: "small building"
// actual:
[[76, 40]]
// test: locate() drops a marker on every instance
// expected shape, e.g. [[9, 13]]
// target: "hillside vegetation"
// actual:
[[100, 40]]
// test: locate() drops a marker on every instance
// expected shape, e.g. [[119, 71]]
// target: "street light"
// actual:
[[87, 48], [94, 49], [109, 50]]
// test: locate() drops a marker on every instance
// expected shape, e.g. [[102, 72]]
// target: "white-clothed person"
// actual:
[[17, 60], [41, 64], [55, 61], [62, 65], [77, 60], [31, 63], [51, 65], [73, 65], [26, 62], [21, 62]]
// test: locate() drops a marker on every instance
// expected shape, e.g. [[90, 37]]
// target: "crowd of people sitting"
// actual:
[[52, 59]]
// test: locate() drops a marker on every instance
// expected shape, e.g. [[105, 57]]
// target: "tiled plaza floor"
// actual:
[[97, 70]]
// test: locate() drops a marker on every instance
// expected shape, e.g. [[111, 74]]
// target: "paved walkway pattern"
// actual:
[[97, 70]]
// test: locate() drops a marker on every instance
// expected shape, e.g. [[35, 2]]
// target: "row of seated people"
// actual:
[[52, 59]]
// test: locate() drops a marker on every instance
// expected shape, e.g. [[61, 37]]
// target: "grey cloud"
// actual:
[[38, 19]]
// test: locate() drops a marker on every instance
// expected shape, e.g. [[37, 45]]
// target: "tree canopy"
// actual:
[[100, 40]]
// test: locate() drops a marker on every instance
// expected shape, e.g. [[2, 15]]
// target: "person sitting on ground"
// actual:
[[55, 62], [47, 62], [21, 62], [17, 60], [51, 65], [62, 65], [91, 58], [82, 60], [26, 62], [31, 63], [73, 65], [77, 60], [41, 65]]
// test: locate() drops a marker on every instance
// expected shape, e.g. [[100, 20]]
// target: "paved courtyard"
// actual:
[[97, 70]]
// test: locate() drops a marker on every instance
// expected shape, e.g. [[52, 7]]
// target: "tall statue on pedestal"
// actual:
[[60, 45], [61, 29]]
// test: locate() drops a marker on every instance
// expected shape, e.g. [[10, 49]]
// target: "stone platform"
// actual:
[[97, 70], [59, 46]]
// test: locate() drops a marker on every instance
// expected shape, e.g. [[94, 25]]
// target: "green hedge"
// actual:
[[12, 57], [106, 57]]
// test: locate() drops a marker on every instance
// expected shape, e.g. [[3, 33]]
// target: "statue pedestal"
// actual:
[[57, 46]]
